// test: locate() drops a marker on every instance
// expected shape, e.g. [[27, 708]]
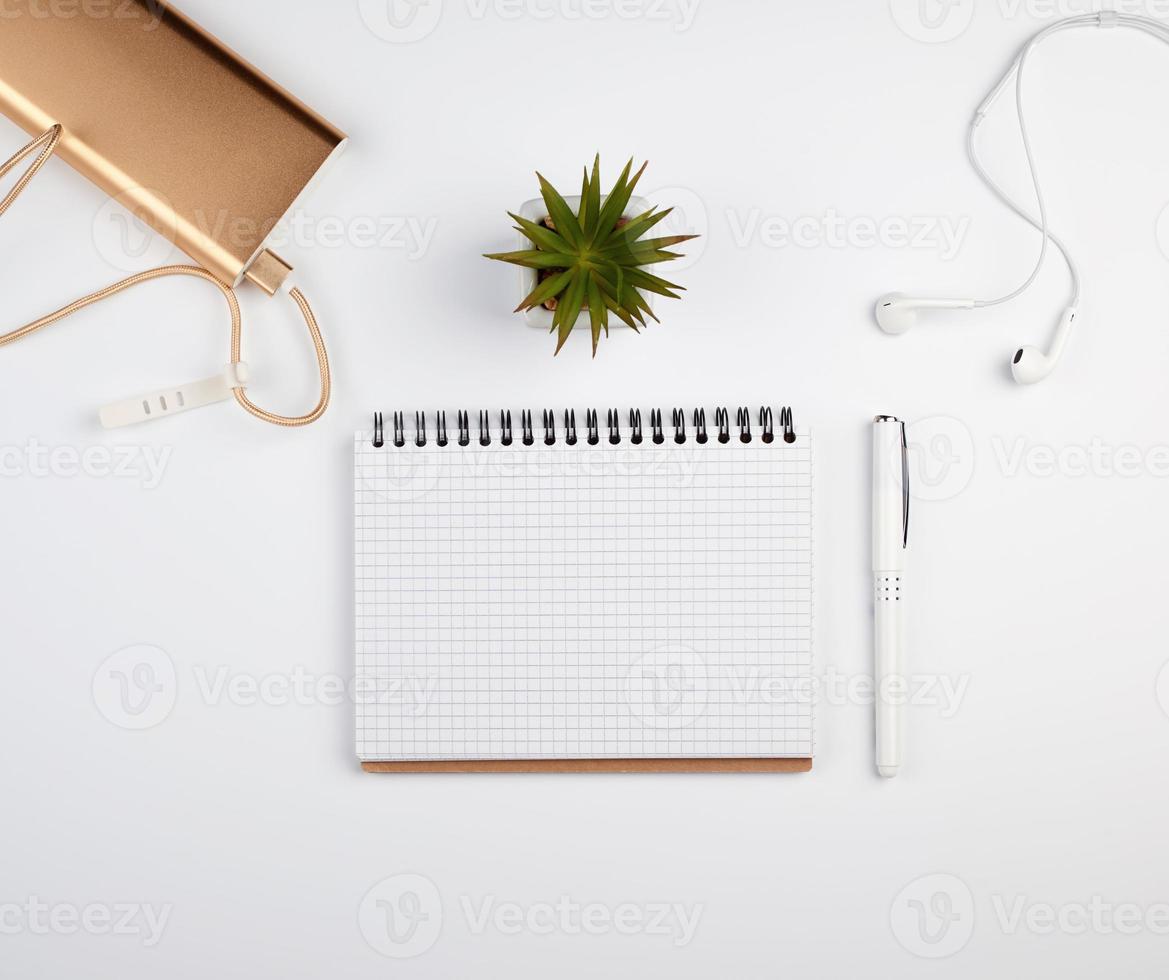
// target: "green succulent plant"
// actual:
[[595, 259]]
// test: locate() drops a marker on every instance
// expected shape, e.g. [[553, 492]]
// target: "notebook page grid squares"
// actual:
[[583, 602]]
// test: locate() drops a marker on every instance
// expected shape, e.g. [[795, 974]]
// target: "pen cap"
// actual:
[[890, 495]]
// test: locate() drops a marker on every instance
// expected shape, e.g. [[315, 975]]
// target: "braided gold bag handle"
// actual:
[[43, 147]]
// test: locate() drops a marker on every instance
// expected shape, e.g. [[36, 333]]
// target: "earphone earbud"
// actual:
[[896, 312], [1031, 365]]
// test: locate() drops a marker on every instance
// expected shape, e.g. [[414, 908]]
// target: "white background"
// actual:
[[1042, 593]]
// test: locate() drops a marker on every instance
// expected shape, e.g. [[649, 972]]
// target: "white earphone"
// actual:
[[896, 312]]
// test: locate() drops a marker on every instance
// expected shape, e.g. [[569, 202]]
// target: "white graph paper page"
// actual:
[[583, 602]]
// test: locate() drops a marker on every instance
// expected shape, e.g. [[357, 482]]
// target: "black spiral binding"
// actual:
[[722, 422], [768, 432], [700, 435], [635, 436], [614, 428], [594, 431], [743, 421], [786, 419]]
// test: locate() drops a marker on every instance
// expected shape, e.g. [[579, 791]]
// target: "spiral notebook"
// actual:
[[630, 594]]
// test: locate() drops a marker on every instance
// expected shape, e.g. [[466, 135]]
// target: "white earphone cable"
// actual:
[[1146, 24], [1017, 69], [1040, 224]]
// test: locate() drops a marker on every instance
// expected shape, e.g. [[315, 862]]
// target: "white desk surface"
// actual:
[[1034, 783]]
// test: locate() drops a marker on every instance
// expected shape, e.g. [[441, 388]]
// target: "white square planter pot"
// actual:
[[536, 211]]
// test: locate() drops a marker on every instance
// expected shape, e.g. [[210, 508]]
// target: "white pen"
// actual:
[[890, 541]]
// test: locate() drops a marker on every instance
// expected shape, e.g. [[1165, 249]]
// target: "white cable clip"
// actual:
[[1108, 18], [173, 401]]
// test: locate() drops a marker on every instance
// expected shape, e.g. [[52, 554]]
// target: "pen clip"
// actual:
[[905, 485]]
